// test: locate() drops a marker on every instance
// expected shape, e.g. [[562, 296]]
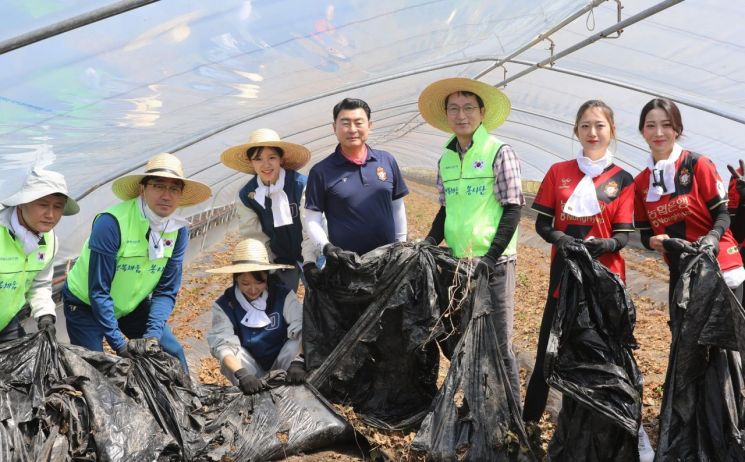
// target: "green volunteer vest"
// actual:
[[136, 275], [472, 212], [17, 272]]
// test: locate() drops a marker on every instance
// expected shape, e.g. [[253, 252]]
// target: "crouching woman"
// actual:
[[257, 322]]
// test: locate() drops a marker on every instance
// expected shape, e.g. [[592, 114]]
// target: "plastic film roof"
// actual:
[[193, 77]]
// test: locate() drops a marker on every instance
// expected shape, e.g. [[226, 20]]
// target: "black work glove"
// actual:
[[431, 240], [296, 372], [709, 243], [124, 352], [739, 179], [143, 346], [247, 382], [599, 246], [312, 274], [485, 266], [677, 246], [332, 252], [562, 244], [46, 322]]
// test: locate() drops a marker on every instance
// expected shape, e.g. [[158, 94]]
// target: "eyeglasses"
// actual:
[[455, 110], [162, 188]]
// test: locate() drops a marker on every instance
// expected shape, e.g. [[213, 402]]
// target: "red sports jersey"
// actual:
[[685, 214], [615, 191]]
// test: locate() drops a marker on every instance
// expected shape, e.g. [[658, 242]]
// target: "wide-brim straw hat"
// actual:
[[294, 156], [432, 102], [249, 255], [163, 165], [40, 183]]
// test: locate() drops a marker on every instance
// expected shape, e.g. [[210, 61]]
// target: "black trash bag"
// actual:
[[369, 331], [703, 405], [214, 423], [270, 425], [474, 416], [589, 359], [61, 402], [56, 406]]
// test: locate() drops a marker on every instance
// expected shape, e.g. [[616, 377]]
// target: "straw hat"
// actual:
[[432, 102], [249, 255], [40, 183], [163, 165], [293, 158]]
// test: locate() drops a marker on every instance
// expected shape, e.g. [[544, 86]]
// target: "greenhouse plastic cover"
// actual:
[[194, 77]]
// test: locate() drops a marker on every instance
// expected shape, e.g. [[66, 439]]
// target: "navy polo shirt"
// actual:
[[356, 199]]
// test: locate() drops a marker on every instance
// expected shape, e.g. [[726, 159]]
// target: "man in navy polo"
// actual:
[[358, 189]]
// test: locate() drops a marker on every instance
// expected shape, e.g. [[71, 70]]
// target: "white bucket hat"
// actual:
[[249, 255], [164, 165], [40, 183]]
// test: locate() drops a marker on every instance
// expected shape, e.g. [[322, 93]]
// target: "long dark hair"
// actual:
[[670, 108], [596, 103]]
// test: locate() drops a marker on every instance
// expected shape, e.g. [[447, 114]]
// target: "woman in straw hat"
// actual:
[[257, 322], [27, 249], [269, 204], [129, 271]]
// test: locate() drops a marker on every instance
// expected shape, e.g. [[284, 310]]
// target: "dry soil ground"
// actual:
[[652, 332]]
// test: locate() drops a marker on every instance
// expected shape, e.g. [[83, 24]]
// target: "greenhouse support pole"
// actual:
[[67, 25]]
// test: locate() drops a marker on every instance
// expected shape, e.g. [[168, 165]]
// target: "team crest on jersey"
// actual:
[[611, 189], [684, 177], [380, 171], [565, 183], [478, 164]]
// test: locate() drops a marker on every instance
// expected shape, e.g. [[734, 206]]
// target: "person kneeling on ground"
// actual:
[[257, 322], [123, 286]]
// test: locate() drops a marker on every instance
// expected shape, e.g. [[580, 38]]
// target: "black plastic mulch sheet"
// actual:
[[703, 406], [474, 416], [368, 331], [589, 359], [63, 403]]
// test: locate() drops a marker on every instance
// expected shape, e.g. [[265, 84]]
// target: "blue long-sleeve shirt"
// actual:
[[104, 243]]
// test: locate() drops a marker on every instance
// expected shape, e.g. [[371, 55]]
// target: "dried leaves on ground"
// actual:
[[652, 333]]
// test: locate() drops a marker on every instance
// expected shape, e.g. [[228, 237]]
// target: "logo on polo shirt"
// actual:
[[478, 164], [380, 171], [40, 256], [565, 183]]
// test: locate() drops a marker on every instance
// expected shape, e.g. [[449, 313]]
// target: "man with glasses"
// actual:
[[123, 286], [480, 193]]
